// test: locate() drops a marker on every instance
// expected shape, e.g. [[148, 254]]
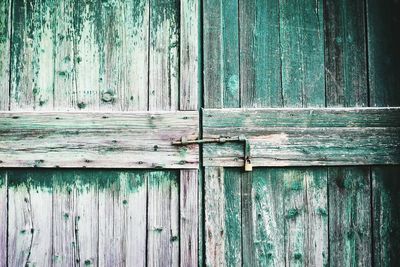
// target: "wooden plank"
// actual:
[[260, 57], [124, 140], [301, 39], [383, 53], [189, 54], [304, 137], [247, 219], [122, 218], [306, 227], [3, 218], [386, 222], [29, 214], [221, 54], [268, 221], [384, 66], [32, 65], [189, 218], [345, 54], [164, 55], [5, 29], [223, 217], [350, 216], [163, 219]]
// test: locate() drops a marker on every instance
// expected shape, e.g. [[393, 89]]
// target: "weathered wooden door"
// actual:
[[92, 94], [312, 58]]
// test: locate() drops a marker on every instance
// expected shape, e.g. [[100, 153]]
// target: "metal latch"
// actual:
[[248, 167]]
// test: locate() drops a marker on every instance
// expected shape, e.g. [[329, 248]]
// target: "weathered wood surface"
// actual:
[[5, 30], [103, 140], [384, 81], [304, 137], [163, 219], [3, 218], [221, 54]]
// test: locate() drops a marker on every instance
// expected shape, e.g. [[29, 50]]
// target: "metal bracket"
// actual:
[[248, 167]]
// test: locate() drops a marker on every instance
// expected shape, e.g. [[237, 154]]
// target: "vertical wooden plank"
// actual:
[[122, 218], [346, 86], [386, 215], [3, 218], [164, 55], [221, 54], [268, 214], [345, 53], [223, 217], [163, 219], [32, 65], [260, 62], [189, 214], [302, 44], [384, 67], [29, 211], [75, 217], [383, 52], [125, 62], [247, 220], [306, 224], [189, 54], [5, 28], [349, 216]]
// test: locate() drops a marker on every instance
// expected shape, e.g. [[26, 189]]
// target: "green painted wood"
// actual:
[[306, 222], [383, 52], [113, 140], [268, 209], [345, 54], [223, 217], [29, 214], [122, 218], [350, 236], [5, 23], [260, 57], [221, 54], [384, 66], [3, 218], [164, 55], [304, 137], [302, 48], [349, 188], [163, 218]]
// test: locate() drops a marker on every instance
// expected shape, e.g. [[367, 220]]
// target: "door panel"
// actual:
[[317, 57], [101, 56]]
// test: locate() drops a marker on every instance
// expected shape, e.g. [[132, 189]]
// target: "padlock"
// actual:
[[248, 167]]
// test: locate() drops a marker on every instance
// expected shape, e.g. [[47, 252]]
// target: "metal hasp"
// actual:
[[248, 167]]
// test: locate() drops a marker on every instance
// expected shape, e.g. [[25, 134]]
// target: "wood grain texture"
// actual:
[[260, 54], [164, 55], [29, 214], [221, 54], [5, 29], [189, 54], [269, 217], [98, 140], [3, 218], [189, 218], [350, 216], [304, 137], [302, 48], [122, 219], [223, 217], [345, 53], [384, 67], [163, 219]]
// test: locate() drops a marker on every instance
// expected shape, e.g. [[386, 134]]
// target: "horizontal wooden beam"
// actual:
[[98, 140], [304, 137]]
